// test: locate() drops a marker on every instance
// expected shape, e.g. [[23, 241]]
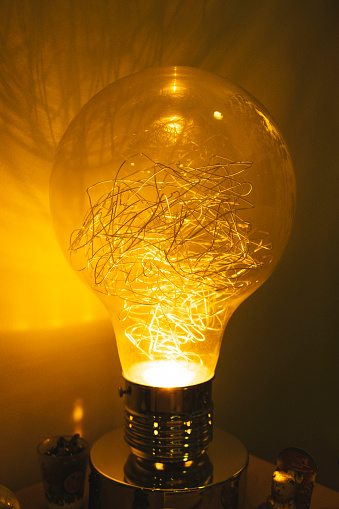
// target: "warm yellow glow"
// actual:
[[78, 411], [173, 246], [218, 115], [170, 215], [37, 298], [268, 124], [173, 125], [281, 476], [168, 373], [77, 416]]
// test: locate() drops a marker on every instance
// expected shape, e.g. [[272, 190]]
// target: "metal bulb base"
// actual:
[[174, 475], [111, 488], [167, 425]]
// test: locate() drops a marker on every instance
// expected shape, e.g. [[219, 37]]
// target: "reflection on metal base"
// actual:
[[179, 475], [168, 425], [111, 488]]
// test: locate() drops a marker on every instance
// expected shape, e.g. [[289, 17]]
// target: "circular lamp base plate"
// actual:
[[225, 488]]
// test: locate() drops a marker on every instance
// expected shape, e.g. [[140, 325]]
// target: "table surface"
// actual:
[[259, 477]]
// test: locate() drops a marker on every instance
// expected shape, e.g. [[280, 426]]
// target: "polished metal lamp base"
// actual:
[[223, 466], [167, 425]]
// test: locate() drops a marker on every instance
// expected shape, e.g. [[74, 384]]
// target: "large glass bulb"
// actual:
[[172, 196]]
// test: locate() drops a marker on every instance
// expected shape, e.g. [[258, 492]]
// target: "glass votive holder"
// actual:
[[63, 463]]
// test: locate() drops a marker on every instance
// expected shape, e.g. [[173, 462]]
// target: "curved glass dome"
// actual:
[[172, 195]]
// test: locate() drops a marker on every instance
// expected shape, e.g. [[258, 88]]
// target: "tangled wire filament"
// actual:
[[169, 240]]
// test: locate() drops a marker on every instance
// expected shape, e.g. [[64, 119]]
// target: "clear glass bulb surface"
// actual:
[[172, 196]]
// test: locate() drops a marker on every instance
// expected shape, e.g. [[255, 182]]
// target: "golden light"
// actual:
[[217, 115], [173, 125], [168, 373], [170, 248], [280, 476], [77, 416], [172, 219]]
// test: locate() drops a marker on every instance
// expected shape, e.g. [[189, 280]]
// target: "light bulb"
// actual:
[[172, 196]]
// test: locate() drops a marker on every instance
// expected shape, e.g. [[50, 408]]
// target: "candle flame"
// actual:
[[77, 416]]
